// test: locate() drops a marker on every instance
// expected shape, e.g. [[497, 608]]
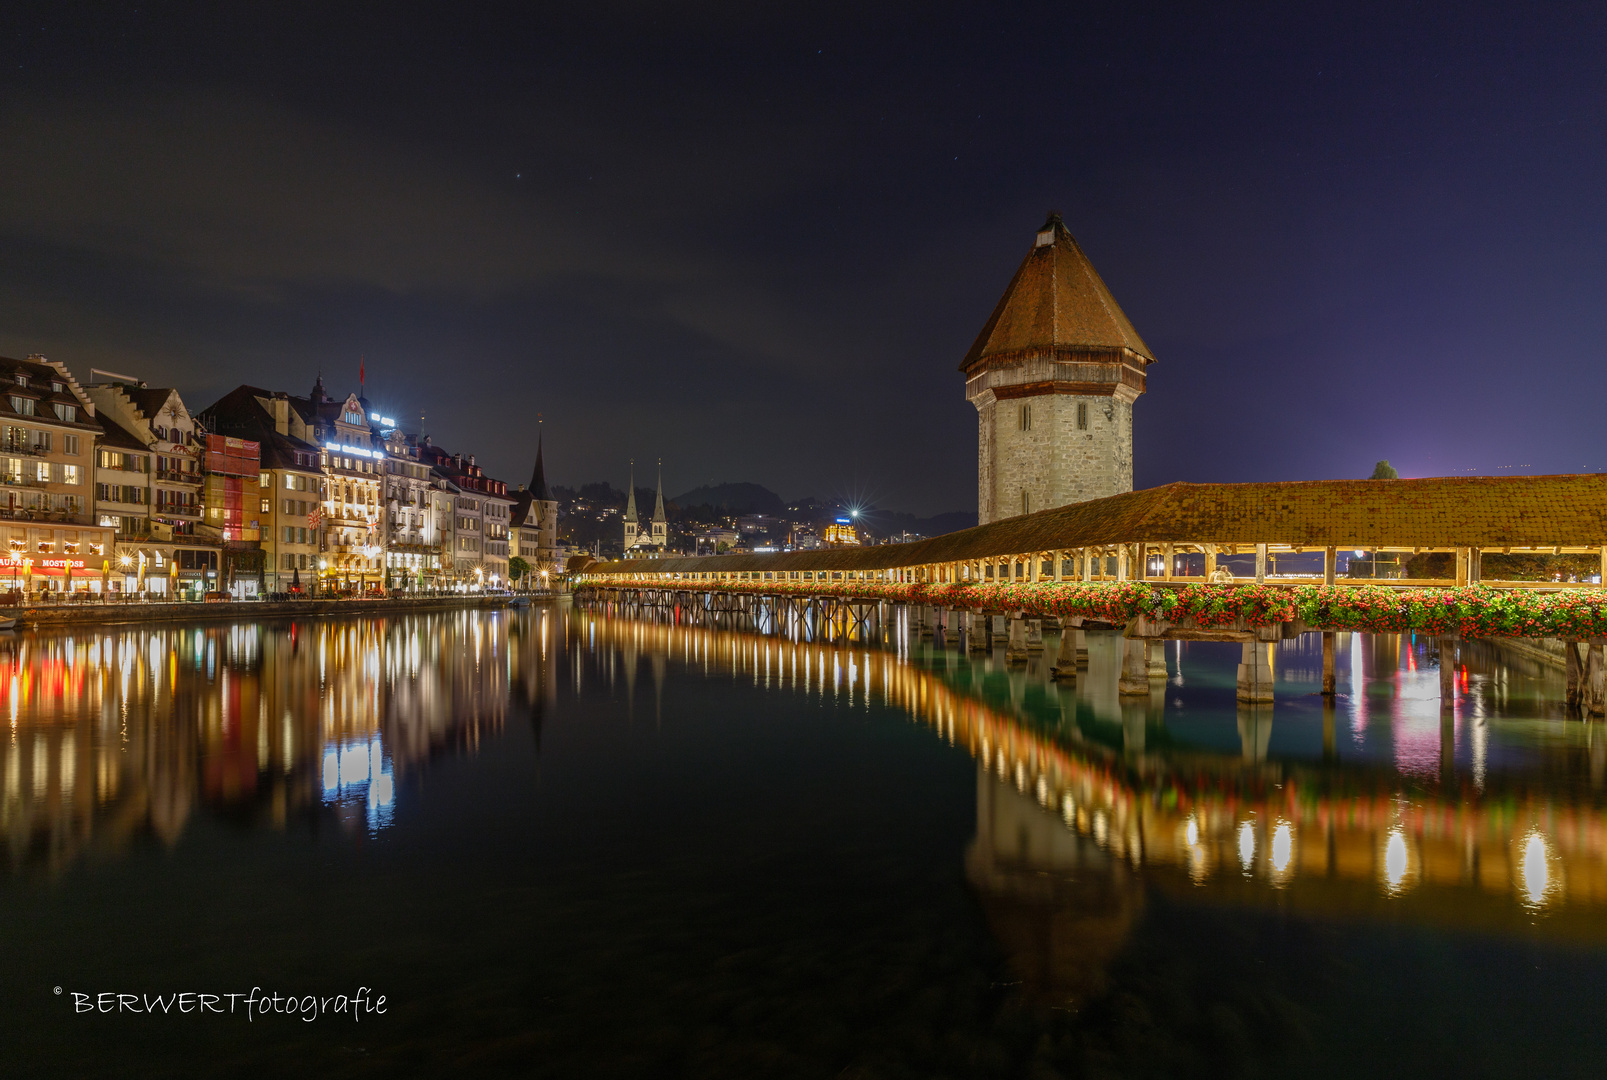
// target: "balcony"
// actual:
[[170, 510], [22, 449], [169, 476]]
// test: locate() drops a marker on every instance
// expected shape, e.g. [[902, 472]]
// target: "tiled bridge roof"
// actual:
[[1443, 512]]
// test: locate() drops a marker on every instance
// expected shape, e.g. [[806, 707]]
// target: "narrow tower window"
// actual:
[[1026, 502], [1026, 418], [1082, 416]]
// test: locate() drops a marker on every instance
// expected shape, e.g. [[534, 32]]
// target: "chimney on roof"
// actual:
[[1046, 234], [471, 459]]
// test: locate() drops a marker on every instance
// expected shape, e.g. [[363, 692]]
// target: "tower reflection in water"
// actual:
[[122, 733], [1085, 807]]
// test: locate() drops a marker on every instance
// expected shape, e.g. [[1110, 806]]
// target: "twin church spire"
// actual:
[[656, 535]]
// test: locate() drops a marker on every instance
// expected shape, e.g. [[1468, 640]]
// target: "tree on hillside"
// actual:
[[1384, 471]]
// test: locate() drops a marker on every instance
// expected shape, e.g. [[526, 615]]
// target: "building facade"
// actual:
[[414, 503], [1054, 375], [47, 453], [163, 548]]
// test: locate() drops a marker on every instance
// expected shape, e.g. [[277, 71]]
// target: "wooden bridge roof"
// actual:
[[1441, 512], [1056, 301]]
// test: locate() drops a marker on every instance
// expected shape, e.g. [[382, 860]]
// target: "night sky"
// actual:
[[757, 243]]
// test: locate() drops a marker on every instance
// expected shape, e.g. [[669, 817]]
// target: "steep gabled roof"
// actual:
[[1056, 301], [538, 477]]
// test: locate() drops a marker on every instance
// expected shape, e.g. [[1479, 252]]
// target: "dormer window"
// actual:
[[22, 378], [55, 388], [69, 413], [22, 406]]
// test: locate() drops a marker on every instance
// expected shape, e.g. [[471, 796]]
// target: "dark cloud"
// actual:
[[756, 241]]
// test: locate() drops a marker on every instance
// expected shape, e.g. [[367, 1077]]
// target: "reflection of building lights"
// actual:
[[1395, 859], [1068, 810], [1246, 846], [1283, 847], [1191, 832], [1100, 827]]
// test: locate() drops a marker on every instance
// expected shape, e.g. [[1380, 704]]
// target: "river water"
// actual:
[[565, 843]]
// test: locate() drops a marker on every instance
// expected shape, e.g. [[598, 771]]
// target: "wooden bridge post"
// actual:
[[1330, 752], [1210, 561], [1447, 673], [1086, 558], [1260, 563], [1169, 556], [1475, 565], [1328, 662], [1330, 561], [1060, 560], [1134, 680], [1595, 682]]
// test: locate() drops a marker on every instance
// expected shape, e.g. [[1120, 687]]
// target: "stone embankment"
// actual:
[[51, 615]]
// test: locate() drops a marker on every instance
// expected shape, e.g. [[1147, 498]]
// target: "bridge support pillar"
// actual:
[[1255, 673], [926, 620], [1065, 666], [1570, 660], [1447, 674], [978, 637], [1015, 652], [1157, 660], [1035, 635], [1135, 668], [1328, 664], [1001, 630]]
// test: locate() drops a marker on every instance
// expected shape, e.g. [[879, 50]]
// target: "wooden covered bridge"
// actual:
[[1182, 534]]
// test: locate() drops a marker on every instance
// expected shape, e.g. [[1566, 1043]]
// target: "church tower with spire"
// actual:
[[661, 526], [630, 511], [1054, 375]]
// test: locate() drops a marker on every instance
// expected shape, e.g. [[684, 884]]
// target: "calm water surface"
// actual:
[[567, 844]]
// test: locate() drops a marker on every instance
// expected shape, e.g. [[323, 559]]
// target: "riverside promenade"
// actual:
[[74, 614]]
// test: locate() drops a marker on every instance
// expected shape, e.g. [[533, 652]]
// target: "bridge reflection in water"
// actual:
[[1088, 806], [1085, 806]]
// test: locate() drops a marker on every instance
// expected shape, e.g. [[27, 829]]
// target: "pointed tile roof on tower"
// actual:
[[538, 478], [658, 508], [1057, 301], [630, 498]]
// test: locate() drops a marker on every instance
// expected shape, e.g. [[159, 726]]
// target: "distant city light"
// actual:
[[383, 421]]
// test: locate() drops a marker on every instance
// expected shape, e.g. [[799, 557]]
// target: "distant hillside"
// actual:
[[734, 498]]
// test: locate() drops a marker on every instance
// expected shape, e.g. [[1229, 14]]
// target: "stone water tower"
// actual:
[[1053, 376]]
